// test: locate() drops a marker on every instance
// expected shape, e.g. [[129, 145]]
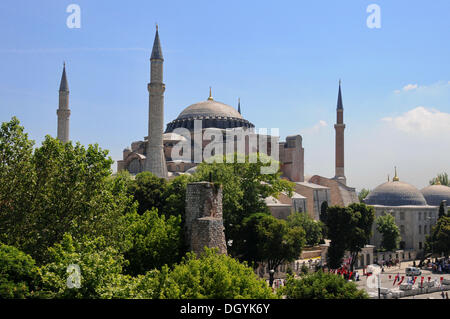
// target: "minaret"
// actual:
[[339, 127], [155, 161], [239, 105], [63, 111]]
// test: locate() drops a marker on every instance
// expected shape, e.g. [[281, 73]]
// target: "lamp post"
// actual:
[[271, 273]]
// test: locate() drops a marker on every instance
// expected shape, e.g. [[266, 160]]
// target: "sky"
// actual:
[[283, 60]]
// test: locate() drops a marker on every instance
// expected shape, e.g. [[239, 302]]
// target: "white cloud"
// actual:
[[316, 128], [421, 120], [415, 87]]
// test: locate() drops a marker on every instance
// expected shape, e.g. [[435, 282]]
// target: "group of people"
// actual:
[[388, 263], [441, 266]]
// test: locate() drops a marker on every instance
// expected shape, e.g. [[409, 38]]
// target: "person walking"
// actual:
[[443, 295], [446, 295]]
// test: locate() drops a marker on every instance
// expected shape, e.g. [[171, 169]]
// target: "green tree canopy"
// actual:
[[389, 231], [60, 188], [211, 276], [438, 241], [320, 285], [313, 228], [349, 229], [363, 194], [440, 179], [18, 273], [155, 241], [271, 241]]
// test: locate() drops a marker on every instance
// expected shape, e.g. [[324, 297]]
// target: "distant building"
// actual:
[[414, 215]]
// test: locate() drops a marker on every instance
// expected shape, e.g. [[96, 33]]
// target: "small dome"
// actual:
[[395, 193], [435, 194]]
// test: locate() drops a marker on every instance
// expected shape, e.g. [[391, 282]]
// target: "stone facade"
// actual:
[[315, 194], [203, 220], [414, 222], [340, 194]]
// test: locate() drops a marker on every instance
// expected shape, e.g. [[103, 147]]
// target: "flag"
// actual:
[[429, 278], [414, 280], [421, 281], [403, 277], [395, 280]]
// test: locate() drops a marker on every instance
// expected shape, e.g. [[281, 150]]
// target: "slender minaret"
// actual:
[[155, 161], [339, 127], [63, 111], [239, 105]]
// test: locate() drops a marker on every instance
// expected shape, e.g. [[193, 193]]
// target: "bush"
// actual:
[[212, 276], [17, 273], [320, 285]]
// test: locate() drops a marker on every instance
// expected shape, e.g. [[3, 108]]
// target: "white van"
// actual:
[[413, 271]]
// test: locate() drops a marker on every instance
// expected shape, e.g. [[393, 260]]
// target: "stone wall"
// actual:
[[203, 220]]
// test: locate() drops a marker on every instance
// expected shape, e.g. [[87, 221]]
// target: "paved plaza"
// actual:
[[393, 271]]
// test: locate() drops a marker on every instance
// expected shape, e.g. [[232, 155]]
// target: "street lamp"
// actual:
[[271, 272]]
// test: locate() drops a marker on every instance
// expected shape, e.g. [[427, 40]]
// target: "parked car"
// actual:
[[413, 271]]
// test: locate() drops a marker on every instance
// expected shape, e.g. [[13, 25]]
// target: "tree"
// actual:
[[313, 228], [389, 230], [442, 211], [149, 191], [60, 188], [244, 189], [440, 179], [99, 265], [212, 276], [155, 241], [323, 218], [349, 229], [271, 241], [18, 273], [438, 242], [320, 285], [363, 194]]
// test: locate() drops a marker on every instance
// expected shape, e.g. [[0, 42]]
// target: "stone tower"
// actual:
[[203, 219], [63, 111], [339, 127], [155, 161]]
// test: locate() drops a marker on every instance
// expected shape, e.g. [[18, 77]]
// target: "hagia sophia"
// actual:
[[415, 210]]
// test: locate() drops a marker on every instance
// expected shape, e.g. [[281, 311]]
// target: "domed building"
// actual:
[[414, 214], [435, 194], [160, 153]]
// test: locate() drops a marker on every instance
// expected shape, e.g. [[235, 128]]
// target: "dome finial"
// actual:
[[437, 181], [395, 179], [210, 95]]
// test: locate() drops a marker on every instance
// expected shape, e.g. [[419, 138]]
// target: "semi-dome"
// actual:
[[435, 194], [212, 114], [395, 193]]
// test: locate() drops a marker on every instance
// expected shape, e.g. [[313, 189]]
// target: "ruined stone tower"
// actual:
[[63, 111], [339, 127], [155, 161], [203, 222]]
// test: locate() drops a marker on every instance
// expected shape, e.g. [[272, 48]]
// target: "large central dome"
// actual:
[[395, 193], [212, 114], [209, 108]]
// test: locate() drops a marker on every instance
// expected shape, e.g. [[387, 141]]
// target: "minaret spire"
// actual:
[[239, 105], [339, 127], [155, 161], [63, 111]]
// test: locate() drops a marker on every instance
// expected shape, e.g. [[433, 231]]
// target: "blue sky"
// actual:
[[283, 59]]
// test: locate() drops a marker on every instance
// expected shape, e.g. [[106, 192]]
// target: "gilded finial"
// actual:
[[395, 179], [156, 26], [437, 181], [210, 95]]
